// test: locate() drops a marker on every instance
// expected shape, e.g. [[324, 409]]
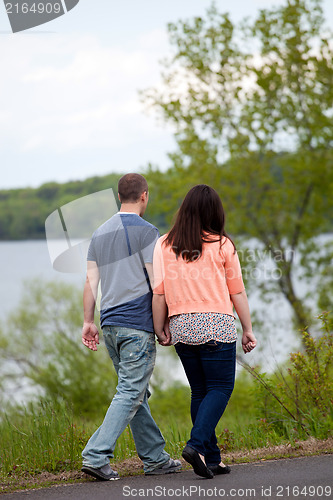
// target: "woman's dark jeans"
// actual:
[[210, 370]]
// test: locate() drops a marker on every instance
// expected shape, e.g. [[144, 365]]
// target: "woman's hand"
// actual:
[[248, 342], [164, 336]]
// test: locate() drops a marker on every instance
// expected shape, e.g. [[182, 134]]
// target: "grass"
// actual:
[[40, 438], [42, 443], [48, 437], [45, 439], [267, 416]]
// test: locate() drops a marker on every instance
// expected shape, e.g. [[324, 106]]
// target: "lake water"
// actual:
[[24, 260]]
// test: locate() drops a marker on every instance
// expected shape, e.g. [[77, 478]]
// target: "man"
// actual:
[[120, 256]]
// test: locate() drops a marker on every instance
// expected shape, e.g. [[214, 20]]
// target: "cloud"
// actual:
[[67, 92]]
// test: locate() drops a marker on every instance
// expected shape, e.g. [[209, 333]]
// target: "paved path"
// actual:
[[302, 478]]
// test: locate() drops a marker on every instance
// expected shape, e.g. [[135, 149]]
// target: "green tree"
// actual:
[[41, 347], [253, 111]]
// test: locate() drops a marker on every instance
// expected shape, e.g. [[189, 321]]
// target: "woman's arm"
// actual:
[[160, 319], [242, 309]]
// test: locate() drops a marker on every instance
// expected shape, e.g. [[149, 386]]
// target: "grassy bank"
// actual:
[[48, 438], [273, 414]]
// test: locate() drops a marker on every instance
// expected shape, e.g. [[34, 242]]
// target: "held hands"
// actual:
[[248, 342], [164, 337], [90, 336]]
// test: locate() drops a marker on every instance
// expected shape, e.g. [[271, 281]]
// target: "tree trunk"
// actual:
[[301, 314]]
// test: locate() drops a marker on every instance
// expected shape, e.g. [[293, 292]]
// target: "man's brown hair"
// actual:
[[131, 187]]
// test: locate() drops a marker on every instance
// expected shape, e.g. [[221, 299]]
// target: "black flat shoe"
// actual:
[[192, 457], [217, 469]]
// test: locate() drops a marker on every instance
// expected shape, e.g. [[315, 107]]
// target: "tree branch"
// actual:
[[301, 212]]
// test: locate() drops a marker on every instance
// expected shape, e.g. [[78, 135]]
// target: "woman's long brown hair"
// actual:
[[200, 215]]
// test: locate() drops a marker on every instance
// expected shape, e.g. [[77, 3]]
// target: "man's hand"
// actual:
[[90, 336], [248, 342]]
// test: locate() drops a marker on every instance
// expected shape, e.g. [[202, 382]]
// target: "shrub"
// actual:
[[297, 399]]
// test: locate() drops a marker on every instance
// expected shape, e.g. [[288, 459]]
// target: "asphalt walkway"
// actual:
[[302, 478]]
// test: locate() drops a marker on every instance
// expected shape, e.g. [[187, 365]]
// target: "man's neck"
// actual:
[[133, 208]]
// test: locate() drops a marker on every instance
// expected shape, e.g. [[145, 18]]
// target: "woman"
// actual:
[[197, 282]]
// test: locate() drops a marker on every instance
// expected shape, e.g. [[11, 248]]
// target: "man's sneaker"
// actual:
[[167, 468], [104, 473]]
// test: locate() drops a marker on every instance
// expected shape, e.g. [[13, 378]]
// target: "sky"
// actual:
[[69, 89]]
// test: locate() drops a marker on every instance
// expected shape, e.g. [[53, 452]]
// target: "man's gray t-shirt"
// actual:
[[121, 247]]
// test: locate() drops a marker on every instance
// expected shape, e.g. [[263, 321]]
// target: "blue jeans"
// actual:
[[210, 370], [133, 354]]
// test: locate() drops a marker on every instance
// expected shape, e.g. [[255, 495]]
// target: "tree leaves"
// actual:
[[43, 341], [253, 110]]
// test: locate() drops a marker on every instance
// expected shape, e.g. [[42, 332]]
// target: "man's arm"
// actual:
[[149, 268], [90, 335]]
